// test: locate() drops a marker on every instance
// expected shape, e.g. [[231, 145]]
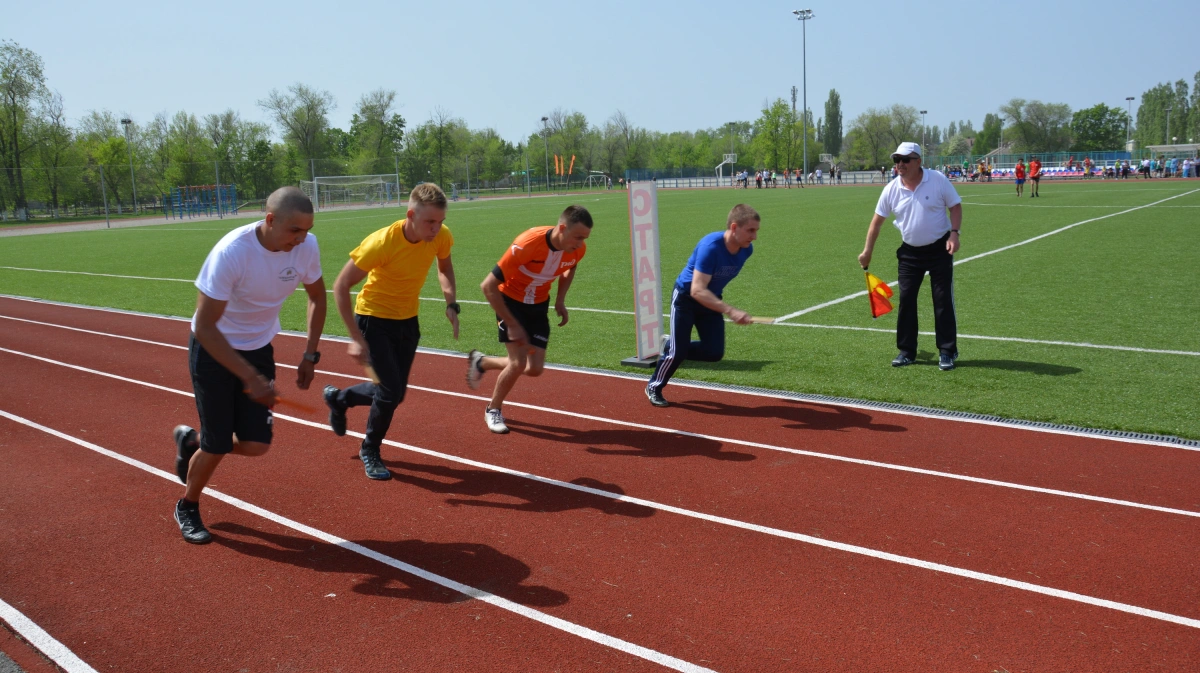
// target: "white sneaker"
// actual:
[[495, 421], [474, 373]]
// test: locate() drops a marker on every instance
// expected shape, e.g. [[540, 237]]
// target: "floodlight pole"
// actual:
[[803, 15], [468, 162], [1168, 133], [546, 145], [923, 131], [1128, 116], [129, 146]]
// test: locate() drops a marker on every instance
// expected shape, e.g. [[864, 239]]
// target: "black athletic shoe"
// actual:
[[656, 397], [337, 413], [946, 360], [903, 360], [374, 468], [190, 525], [186, 444]]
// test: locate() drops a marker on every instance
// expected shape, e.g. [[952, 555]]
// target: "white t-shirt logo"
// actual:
[[288, 275]]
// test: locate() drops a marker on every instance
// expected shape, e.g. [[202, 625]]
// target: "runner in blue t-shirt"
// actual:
[[696, 301]]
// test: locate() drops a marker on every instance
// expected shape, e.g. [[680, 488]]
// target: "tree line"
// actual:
[[47, 161]]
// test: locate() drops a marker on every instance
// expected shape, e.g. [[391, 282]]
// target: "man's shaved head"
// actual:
[[287, 201]]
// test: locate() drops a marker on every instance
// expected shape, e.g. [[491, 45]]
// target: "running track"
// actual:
[[590, 538]]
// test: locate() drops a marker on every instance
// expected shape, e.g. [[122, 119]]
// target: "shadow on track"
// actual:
[[800, 415], [727, 365], [538, 497], [1040, 368], [475, 565], [640, 443]]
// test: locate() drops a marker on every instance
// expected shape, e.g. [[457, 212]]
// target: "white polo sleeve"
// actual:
[[949, 193], [219, 275], [884, 207]]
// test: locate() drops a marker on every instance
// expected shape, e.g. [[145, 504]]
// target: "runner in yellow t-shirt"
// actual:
[[383, 322]]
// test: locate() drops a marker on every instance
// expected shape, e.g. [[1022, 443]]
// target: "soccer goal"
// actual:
[[339, 191]]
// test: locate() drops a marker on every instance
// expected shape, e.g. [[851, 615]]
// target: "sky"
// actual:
[[668, 65]]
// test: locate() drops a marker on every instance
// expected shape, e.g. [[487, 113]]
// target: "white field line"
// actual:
[[44, 642], [992, 252], [1074, 344], [558, 623], [864, 406], [298, 290], [478, 594], [663, 430], [614, 312]]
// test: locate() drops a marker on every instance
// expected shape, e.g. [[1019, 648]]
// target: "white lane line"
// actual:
[[665, 430], [990, 252], [467, 590], [697, 385], [1075, 344], [569, 626], [42, 641], [88, 273]]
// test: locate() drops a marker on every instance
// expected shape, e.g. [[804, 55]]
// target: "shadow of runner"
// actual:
[[476, 565], [802, 415], [640, 443], [538, 497], [1040, 368]]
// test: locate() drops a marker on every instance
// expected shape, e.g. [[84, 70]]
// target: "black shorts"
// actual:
[[533, 318], [225, 409]]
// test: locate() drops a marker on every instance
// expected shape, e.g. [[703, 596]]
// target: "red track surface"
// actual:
[[92, 555]]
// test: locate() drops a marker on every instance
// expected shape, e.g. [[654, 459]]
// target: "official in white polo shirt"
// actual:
[[929, 215]]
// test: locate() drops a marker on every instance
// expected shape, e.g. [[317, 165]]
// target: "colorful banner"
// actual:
[[647, 281]]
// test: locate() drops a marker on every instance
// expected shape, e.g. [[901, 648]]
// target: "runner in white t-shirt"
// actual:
[[242, 285]]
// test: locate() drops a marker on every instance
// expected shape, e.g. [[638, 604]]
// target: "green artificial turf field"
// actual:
[[1120, 281]]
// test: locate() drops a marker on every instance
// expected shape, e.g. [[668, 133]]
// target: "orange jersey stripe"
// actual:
[[530, 266]]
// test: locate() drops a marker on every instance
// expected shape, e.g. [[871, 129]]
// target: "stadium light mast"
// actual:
[[126, 121], [1168, 133], [1128, 116], [923, 130], [546, 145], [803, 16]]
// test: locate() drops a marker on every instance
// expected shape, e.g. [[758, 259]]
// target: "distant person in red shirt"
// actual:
[[1035, 174], [1020, 173]]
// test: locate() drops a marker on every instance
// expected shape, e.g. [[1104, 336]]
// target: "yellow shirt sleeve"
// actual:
[[444, 241]]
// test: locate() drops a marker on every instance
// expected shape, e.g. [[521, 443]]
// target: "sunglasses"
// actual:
[[904, 160]]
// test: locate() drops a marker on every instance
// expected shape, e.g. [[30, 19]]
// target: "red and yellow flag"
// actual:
[[557, 166], [572, 169], [880, 295]]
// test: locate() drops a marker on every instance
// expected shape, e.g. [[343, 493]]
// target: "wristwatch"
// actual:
[[313, 357], [453, 306]]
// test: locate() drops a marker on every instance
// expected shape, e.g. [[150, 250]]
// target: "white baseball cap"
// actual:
[[906, 149]]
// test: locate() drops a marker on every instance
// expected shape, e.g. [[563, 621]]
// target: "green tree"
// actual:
[[988, 138], [1038, 126], [376, 133], [1098, 128], [302, 115], [1152, 114], [831, 132], [22, 84]]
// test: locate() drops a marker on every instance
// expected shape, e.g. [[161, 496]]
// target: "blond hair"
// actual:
[[426, 194]]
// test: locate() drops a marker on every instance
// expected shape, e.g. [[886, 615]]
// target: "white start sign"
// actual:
[[647, 281]]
